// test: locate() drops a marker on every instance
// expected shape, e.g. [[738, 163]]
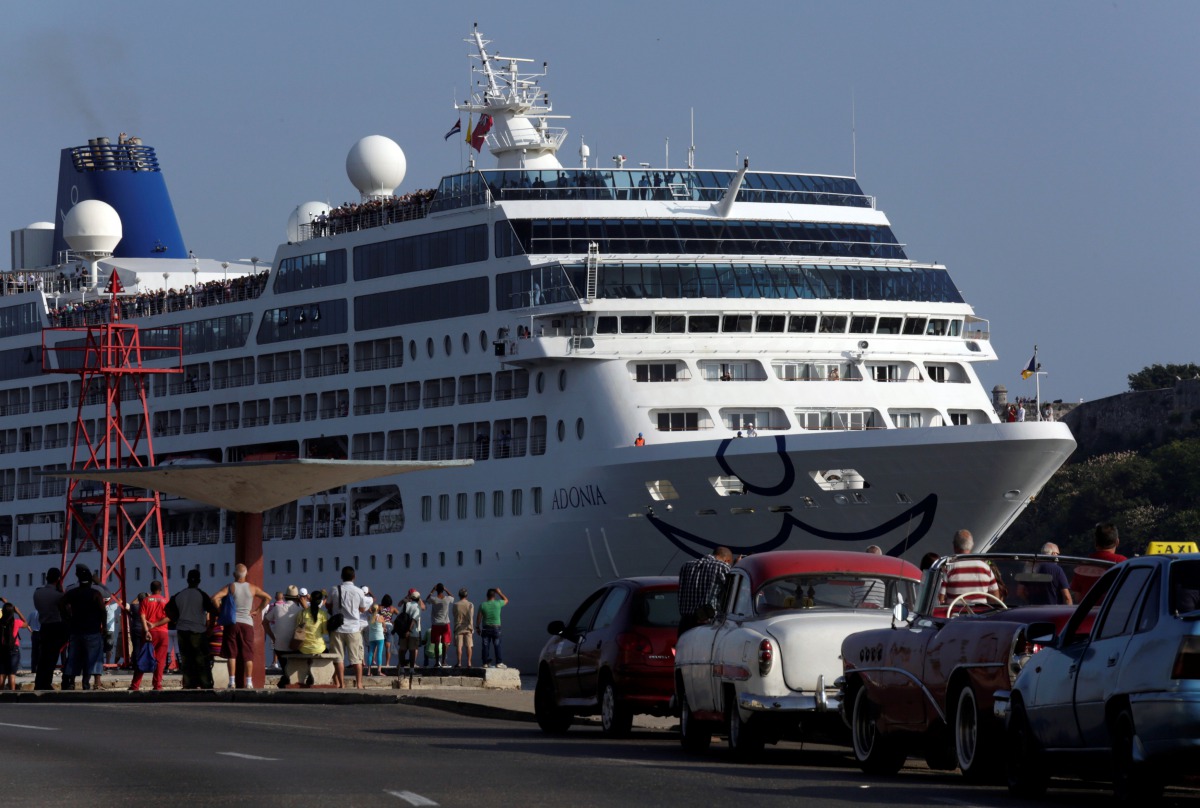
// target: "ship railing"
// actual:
[[282, 375], [440, 401], [370, 409], [409, 453], [51, 404], [104, 156], [256, 420], [325, 369], [368, 454], [146, 304], [379, 362], [509, 394], [194, 385], [479, 397], [333, 412], [286, 418], [236, 380], [224, 423], [39, 547], [364, 217], [14, 409], [29, 490], [406, 404]]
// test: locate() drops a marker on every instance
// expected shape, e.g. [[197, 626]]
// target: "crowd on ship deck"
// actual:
[[349, 217], [144, 304]]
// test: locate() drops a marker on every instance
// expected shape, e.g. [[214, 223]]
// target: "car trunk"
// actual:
[[809, 642]]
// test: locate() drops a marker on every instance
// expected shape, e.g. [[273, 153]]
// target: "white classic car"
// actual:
[[764, 669]]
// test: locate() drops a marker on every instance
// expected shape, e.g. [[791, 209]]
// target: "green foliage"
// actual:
[[1156, 377], [1151, 495]]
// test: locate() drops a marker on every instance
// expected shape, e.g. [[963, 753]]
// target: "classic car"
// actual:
[[615, 657], [764, 668], [924, 685], [1117, 691]]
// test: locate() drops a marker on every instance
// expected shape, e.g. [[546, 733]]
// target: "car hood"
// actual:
[[809, 643]]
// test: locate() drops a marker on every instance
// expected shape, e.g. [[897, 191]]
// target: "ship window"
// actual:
[[936, 328], [272, 569], [888, 325], [678, 421], [661, 489], [459, 557], [516, 501], [541, 381], [562, 380], [656, 372], [407, 561], [412, 348], [914, 325], [426, 508], [429, 346], [770, 323], [862, 325], [579, 428], [703, 324], [906, 420], [670, 324], [447, 345], [480, 505], [635, 325], [212, 570], [478, 557], [303, 566], [424, 559], [802, 324], [535, 494], [738, 323], [139, 572], [562, 431], [606, 325], [483, 341], [833, 324], [727, 486], [320, 565], [466, 341], [937, 373], [497, 503], [443, 507], [960, 418], [441, 559], [462, 506]]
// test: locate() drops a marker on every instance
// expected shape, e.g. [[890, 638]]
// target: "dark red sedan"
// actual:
[[615, 657]]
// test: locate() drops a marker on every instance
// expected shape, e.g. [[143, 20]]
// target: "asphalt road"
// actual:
[[398, 755]]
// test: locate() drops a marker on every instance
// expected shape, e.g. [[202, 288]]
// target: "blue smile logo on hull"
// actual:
[[921, 514]]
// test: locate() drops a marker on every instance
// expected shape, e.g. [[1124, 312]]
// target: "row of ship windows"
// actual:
[[831, 370], [742, 419], [778, 324], [466, 507], [408, 560]]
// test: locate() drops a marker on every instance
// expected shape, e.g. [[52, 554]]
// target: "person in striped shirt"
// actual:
[[971, 577]]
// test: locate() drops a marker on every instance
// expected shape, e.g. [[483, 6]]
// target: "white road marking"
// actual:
[[411, 798], [244, 755], [29, 726], [274, 724]]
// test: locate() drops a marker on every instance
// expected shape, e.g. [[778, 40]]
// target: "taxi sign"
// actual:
[[1162, 547]]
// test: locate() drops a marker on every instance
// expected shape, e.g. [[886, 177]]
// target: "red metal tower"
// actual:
[[109, 359]]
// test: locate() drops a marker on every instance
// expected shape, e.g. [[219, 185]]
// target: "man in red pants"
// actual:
[[154, 623]]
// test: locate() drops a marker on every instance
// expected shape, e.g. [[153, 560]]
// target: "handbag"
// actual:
[[146, 661], [228, 613], [299, 637]]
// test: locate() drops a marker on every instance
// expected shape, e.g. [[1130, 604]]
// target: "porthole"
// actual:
[[541, 382], [562, 380], [466, 343], [579, 428], [412, 348], [562, 431], [446, 344], [429, 346], [483, 341]]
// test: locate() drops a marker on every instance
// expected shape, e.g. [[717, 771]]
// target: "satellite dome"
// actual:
[[92, 227], [302, 215], [376, 165], [41, 226]]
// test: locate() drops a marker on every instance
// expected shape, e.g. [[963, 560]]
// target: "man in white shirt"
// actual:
[[280, 622], [347, 600]]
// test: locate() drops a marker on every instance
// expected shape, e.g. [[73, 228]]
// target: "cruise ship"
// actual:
[[643, 363]]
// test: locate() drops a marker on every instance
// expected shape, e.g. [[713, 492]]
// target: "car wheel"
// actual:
[[875, 752], [1133, 781], [695, 736], [745, 741], [550, 717], [615, 718], [972, 747], [1026, 770]]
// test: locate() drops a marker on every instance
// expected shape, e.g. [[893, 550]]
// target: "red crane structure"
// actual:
[[110, 360]]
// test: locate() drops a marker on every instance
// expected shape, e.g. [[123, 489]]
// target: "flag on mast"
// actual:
[[480, 134], [1033, 366], [454, 130]]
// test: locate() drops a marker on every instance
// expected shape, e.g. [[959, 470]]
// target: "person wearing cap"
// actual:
[[410, 642], [193, 610], [280, 623], [639, 441], [464, 621], [83, 608]]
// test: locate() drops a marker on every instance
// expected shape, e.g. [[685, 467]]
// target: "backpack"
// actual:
[[402, 626]]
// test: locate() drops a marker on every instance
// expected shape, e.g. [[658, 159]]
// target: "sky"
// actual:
[[1046, 153]]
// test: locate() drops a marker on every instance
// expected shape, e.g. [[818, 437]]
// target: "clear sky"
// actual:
[[1047, 153]]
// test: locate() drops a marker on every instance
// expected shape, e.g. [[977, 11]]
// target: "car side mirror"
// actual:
[[556, 627]]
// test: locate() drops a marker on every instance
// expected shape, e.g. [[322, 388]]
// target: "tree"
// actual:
[[1156, 377]]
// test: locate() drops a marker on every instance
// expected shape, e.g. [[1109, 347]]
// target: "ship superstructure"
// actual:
[[643, 363]]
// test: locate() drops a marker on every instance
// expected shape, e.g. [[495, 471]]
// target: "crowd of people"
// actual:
[[144, 304], [78, 627], [349, 217]]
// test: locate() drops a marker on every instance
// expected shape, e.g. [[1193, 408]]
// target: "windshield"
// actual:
[[656, 608], [831, 591], [1020, 580]]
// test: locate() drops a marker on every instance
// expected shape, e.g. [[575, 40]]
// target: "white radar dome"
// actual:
[[92, 227], [376, 165], [304, 215], [41, 226]]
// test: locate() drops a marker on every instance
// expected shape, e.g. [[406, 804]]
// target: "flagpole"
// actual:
[[1037, 385]]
